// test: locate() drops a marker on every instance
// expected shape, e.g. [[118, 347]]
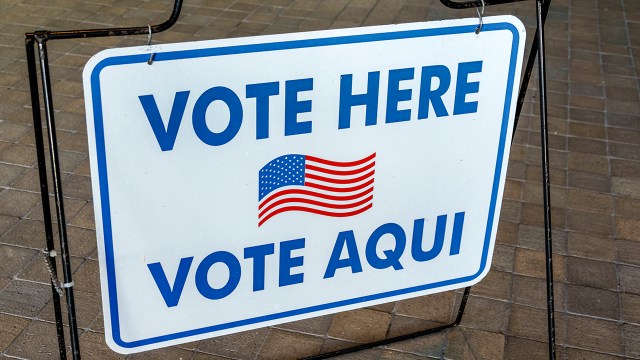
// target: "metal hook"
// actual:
[[152, 55], [480, 13]]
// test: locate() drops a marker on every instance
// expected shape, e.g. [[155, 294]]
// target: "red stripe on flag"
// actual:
[[340, 172], [315, 211], [339, 189], [342, 204], [312, 193], [340, 163], [339, 181]]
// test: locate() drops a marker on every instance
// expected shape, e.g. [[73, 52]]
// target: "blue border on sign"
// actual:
[[283, 45]]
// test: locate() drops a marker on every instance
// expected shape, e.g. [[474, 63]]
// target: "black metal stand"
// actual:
[[40, 38], [537, 50], [542, 7]]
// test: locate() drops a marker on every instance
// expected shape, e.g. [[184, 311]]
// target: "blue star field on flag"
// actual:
[[282, 171]]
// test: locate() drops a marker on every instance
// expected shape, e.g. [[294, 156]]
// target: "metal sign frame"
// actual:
[[41, 37]]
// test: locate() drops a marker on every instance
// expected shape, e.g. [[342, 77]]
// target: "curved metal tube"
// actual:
[[474, 3], [89, 33]]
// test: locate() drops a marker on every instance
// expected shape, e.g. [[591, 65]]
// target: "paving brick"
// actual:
[[87, 309], [475, 344], [318, 325], [37, 341], [331, 345], [71, 208], [588, 181], [510, 210], [627, 207], [437, 307], [93, 346], [205, 356], [532, 263], [623, 135], [533, 237], [630, 308], [586, 130], [591, 246], [6, 223], [77, 187], [393, 355], [625, 187], [165, 353], [519, 348], [587, 272], [532, 291], [361, 325], [626, 252], [627, 228], [37, 270], [573, 353], [289, 345], [631, 336], [30, 181], [244, 345], [586, 115], [17, 203], [84, 218], [24, 298], [594, 334], [82, 242], [531, 323], [533, 194], [19, 154], [590, 201], [623, 120], [503, 258], [507, 233], [87, 277], [594, 302], [13, 259], [402, 325], [26, 233], [497, 285], [629, 279], [533, 214], [590, 223], [486, 314], [9, 174], [513, 190], [370, 354], [10, 328]]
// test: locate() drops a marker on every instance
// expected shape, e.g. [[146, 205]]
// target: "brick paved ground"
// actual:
[[594, 108]]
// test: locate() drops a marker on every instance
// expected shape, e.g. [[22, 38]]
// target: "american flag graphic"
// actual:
[[307, 183]]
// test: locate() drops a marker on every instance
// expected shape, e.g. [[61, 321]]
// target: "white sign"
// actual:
[[242, 183]]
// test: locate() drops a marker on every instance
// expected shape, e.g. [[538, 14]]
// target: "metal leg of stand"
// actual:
[[57, 188], [533, 54], [41, 38], [548, 246], [537, 50], [463, 303], [44, 189]]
